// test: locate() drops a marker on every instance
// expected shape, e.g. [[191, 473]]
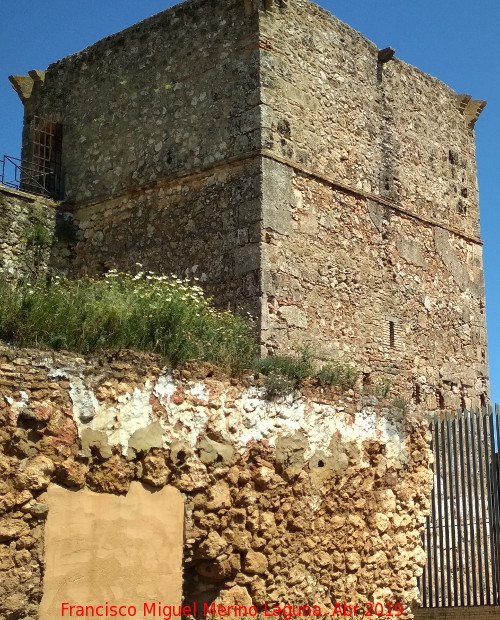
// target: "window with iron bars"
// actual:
[[41, 169]]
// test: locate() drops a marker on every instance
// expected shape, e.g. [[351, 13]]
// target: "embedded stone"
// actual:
[[380, 521], [95, 440], [35, 474], [155, 470], [6, 561], [293, 316], [11, 529], [215, 452], [255, 563], [353, 560], [212, 546], [146, 438], [220, 496], [290, 453]]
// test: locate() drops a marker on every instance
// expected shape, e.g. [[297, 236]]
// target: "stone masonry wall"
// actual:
[[204, 226], [263, 148], [27, 225], [389, 130], [175, 93], [316, 499], [375, 256], [342, 272]]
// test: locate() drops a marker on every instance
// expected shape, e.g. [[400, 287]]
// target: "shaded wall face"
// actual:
[[171, 94], [27, 226], [401, 299], [392, 131], [205, 226]]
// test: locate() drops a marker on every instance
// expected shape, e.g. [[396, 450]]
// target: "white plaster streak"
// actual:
[[120, 422], [165, 388], [18, 404], [84, 401], [184, 423], [130, 416], [200, 392], [252, 418]]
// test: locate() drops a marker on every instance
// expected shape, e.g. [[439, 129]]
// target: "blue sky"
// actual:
[[454, 40]]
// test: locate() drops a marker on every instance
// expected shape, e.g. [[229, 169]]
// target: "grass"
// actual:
[[296, 368], [284, 373], [337, 374], [146, 312], [381, 390], [278, 385]]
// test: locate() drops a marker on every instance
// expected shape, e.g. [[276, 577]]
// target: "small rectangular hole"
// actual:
[[392, 335], [416, 394], [439, 399]]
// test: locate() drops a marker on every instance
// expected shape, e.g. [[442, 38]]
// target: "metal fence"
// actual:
[[19, 175], [462, 535]]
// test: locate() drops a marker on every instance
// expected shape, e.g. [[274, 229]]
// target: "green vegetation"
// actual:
[[37, 236], [278, 385], [295, 368], [145, 312], [337, 374], [37, 233], [381, 390], [401, 404], [284, 373]]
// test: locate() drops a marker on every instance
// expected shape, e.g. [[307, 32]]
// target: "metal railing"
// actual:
[[462, 537], [26, 177]]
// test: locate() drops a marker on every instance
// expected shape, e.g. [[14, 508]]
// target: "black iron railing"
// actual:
[[34, 179]]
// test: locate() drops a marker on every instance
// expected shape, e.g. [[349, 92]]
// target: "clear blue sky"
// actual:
[[457, 41]]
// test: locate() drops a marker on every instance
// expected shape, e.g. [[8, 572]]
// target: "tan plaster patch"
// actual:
[[124, 550]]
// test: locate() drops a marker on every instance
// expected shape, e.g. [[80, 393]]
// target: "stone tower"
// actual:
[[301, 173]]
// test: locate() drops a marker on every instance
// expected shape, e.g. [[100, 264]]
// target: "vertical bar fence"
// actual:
[[462, 536]]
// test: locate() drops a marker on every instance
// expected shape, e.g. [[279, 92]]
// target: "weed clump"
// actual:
[[338, 374], [294, 367], [285, 373], [278, 385], [145, 312]]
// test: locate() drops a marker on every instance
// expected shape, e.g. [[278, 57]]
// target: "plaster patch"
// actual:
[[253, 418], [118, 423], [164, 388], [19, 404], [200, 392], [97, 542], [84, 401]]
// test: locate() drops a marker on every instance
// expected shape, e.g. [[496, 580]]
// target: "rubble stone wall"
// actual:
[[356, 280], [175, 93], [265, 148], [375, 257], [315, 499], [204, 226], [387, 129], [27, 225]]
